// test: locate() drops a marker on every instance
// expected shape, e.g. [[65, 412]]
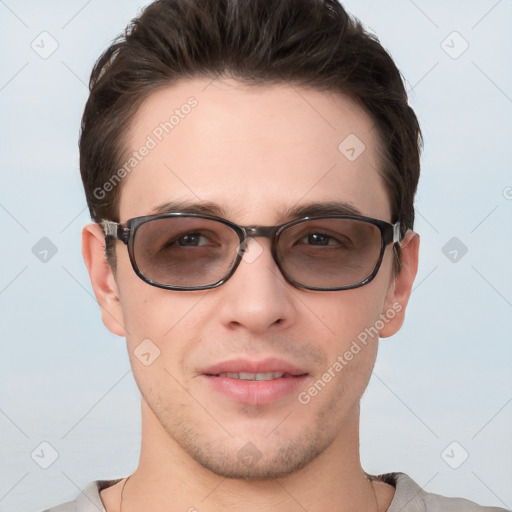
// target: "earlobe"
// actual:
[[401, 286], [102, 278]]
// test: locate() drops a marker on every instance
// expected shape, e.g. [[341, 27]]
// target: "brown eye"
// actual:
[[320, 240], [192, 240]]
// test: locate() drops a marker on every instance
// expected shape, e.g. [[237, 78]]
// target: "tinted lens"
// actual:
[[184, 251], [329, 253]]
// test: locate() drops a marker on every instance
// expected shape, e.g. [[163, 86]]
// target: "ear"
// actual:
[[400, 288], [102, 278]]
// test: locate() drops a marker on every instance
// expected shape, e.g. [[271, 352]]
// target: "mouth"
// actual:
[[255, 382], [253, 376]]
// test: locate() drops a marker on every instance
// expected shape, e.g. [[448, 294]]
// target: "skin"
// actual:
[[256, 153]]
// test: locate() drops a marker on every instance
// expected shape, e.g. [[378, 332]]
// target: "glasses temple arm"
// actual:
[[111, 228], [397, 235]]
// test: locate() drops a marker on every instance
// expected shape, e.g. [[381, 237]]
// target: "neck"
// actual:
[[169, 479]]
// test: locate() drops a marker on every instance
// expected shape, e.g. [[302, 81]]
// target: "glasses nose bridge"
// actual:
[[260, 231]]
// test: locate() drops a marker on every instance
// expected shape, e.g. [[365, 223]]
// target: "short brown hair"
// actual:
[[312, 43]]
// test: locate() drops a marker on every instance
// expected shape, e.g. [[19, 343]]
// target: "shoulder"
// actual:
[[88, 500], [410, 497]]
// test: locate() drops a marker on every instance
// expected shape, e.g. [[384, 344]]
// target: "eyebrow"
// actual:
[[312, 209], [203, 207], [322, 208]]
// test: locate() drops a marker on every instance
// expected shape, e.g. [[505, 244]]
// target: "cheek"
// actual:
[[162, 326], [352, 312], [352, 319], [146, 309]]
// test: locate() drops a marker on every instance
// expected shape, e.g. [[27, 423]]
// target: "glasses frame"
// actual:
[[390, 233]]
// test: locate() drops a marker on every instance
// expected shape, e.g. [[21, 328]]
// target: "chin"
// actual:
[[259, 460]]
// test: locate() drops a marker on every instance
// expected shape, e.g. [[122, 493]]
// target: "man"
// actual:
[[250, 167]]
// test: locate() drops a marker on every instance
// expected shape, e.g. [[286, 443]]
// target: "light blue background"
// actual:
[[445, 377]]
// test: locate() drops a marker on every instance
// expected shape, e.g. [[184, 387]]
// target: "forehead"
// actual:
[[255, 151]]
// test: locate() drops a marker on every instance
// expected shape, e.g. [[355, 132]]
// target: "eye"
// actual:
[[190, 240], [187, 240], [319, 239]]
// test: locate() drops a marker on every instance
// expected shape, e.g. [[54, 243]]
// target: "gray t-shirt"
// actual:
[[409, 497]]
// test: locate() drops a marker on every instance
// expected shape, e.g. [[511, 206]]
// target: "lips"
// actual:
[[265, 366], [253, 376], [255, 382]]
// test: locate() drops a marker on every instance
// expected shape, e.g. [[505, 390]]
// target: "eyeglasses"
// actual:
[[184, 251]]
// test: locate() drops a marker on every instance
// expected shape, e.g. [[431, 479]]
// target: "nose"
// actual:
[[257, 297]]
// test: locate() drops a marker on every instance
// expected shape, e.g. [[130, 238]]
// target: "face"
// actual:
[[251, 155]]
